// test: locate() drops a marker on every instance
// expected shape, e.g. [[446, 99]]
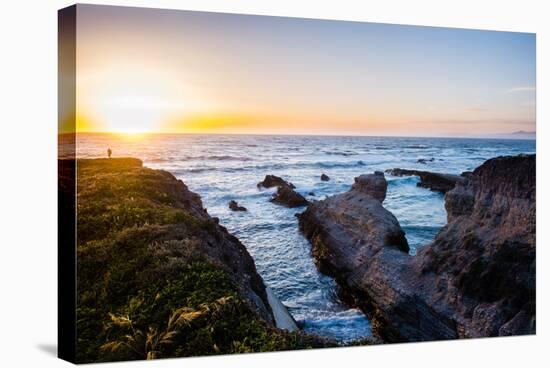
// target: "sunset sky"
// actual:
[[147, 70]]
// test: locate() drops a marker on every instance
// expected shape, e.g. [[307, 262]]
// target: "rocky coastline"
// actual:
[[150, 254], [146, 241], [476, 279]]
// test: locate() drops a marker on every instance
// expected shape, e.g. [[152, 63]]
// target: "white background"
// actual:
[[28, 192]]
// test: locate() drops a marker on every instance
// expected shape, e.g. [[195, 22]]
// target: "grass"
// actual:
[[146, 287]]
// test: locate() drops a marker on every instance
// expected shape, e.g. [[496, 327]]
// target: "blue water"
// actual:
[[222, 168]]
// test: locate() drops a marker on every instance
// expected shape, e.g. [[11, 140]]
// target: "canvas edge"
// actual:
[[66, 228]]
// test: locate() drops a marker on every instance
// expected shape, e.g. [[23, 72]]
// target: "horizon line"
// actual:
[[508, 136]]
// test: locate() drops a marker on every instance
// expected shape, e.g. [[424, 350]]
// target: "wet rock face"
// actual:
[[476, 279], [325, 177], [288, 197], [434, 181], [373, 185], [271, 181], [486, 253], [348, 229], [285, 195], [234, 206]]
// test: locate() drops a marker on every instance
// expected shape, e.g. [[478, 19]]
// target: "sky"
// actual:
[[150, 70]]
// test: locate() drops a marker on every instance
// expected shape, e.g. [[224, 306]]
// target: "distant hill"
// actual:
[[520, 134], [524, 135]]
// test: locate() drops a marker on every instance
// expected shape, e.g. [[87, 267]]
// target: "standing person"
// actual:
[[109, 152]]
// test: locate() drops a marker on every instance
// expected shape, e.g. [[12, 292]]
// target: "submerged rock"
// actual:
[[425, 160], [436, 182], [325, 177], [476, 279], [234, 206]]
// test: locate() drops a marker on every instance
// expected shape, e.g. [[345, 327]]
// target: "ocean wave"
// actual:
[[330, 165], [262, 227], [218, 158], [420, 229], [403, 180], [197, 170], [340, 153], [416, 146], [173, 159], [272, 167]]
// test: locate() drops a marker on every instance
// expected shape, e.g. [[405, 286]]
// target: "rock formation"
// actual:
[[285, 195], [288, 197], [188, 228], [476, 279], [346, 230], [434, 181], [234, 206], [149, 252], [325, 177], [374, 185], [271, 181]]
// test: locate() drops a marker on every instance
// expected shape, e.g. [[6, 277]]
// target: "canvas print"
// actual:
[[237, 183]]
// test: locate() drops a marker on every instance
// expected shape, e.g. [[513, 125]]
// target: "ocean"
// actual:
[[221, 168]]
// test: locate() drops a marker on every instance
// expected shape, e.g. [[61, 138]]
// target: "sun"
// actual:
[[132, 108], [131, 112], [133, 102]]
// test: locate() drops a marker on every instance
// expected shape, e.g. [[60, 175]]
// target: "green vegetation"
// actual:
[[146, 286], [113, 196]]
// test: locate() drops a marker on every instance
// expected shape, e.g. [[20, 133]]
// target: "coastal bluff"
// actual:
[[153, 263], [476, 279]]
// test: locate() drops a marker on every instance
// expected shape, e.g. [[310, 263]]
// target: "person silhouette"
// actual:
[[109, 152]]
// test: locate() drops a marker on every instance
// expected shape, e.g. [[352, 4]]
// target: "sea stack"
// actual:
[[347, 230]]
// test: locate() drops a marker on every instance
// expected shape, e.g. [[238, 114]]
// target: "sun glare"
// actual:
[[134, 102], [131, 113]]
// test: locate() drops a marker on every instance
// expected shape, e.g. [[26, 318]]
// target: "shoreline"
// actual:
[[154, 253], [233, 220], [474, 280]]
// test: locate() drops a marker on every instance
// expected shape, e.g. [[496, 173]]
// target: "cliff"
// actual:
[[159, 277], [476, 279]]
